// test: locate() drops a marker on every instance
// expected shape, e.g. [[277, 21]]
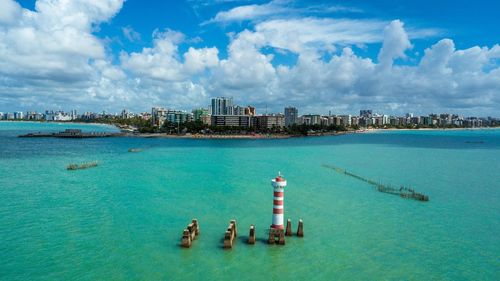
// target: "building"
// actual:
[[238, 110], [367, 113], [222, 106], [177, 116], [125, 114], [158, 116], [18, 115], [198, 113], [346, 120], [250, 110], [244, 121], [291, 114], [310, 119], [271, 121], [354, 121]]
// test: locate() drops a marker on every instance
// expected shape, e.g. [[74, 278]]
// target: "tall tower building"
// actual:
[[291, 115], [222, 106]]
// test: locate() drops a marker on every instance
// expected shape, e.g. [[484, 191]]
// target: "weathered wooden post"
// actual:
[[197, 226], [186, 239], [192, 231], [300, 229], [234, 227], [228, 241], [251, 235], [288, 227]]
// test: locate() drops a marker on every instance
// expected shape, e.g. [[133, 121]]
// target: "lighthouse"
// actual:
[[277, 229]]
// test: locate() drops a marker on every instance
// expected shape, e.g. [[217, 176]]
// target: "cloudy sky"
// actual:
[[340, 56]]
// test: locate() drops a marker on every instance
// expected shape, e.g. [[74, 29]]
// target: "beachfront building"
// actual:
[[270, 121], [244, 121], [222, 106], [310, 119], [158, 116], [198, 113], [178, 116], [291, 115], [18, 115], [346, 120]]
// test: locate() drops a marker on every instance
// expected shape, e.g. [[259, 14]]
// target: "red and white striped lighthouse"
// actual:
[[278, 184]]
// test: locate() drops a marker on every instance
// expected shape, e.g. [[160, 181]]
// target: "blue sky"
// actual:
[[391, 56]]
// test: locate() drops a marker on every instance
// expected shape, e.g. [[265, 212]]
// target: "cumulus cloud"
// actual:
[[54, 42], [162, 61], [396, 42]]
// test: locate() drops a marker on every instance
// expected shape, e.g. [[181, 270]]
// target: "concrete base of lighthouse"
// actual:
[[276, 236]]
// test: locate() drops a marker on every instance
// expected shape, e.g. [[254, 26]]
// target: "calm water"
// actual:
[[124, 219]]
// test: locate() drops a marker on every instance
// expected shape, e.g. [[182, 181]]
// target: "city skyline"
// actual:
[[319, 56]]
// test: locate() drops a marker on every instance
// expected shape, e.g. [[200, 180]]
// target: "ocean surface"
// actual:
[[123, 220]]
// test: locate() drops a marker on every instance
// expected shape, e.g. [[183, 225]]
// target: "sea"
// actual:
[[123, 220]]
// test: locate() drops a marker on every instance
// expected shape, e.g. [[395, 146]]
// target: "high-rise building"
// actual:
[[198, 113], [367, 113], [222, 106], [158, 116], [291, 114], [250, 110], [125, 114]]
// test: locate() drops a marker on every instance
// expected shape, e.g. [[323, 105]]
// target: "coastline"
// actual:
[[256, 136], [235, 136], [375, 130]]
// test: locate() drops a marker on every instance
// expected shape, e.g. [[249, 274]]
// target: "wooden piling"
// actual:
[[186, 239], [189, 234], [228, 241], [251, 235], [300, 229], [234, 226], [230, 234], [288, 227], [197, 226], [192, 231]]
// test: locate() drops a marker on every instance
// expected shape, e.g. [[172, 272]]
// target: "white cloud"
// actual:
[[251, 12], [131, 34], [9, 11], [52, 57], [396, 42], [300, 34], [163, 62]]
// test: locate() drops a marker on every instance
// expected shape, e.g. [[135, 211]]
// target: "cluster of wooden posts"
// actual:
[[190, 233], [192, 230], [278, 235]]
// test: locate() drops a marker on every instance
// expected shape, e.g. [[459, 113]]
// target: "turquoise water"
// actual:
[[124, 218]]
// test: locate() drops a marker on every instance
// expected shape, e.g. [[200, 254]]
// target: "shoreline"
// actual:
[[374, 130], [255, 136], [235, 136]]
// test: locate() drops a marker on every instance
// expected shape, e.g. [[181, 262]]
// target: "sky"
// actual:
[[321, 56]]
